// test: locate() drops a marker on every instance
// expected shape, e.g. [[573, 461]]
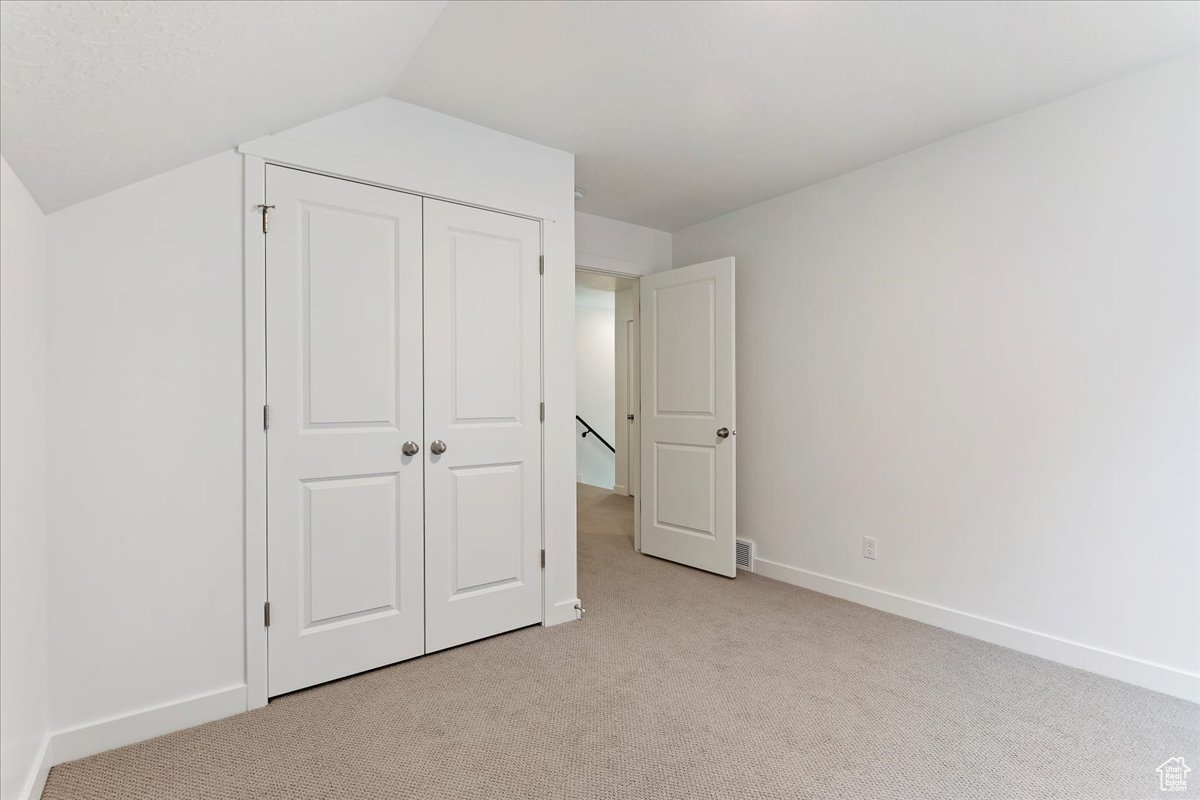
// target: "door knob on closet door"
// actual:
[[723, 433], [437, 447], [410, 448]]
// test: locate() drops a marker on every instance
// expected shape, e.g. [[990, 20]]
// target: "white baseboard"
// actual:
[[563, 611], [118, 731], [620, 489], [36, 782], [1147, 674]]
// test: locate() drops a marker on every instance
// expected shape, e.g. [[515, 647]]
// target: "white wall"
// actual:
[[595, 383], [146, 448], [23, 583], [614, 246], [986, 353]]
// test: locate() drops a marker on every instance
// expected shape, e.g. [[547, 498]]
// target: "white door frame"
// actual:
[[626, 383], [605, 267], [557, 241]]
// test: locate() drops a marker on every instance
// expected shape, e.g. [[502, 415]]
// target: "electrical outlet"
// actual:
[[869, 546]]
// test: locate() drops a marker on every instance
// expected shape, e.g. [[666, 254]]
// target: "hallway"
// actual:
[[602, 512]]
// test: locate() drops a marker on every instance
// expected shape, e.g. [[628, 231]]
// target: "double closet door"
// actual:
[[404, 435]]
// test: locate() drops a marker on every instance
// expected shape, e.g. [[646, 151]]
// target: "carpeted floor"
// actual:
[[679, 684], [601, 511]]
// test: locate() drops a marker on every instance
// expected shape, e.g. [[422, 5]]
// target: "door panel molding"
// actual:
[[345, 561], [483, 496]]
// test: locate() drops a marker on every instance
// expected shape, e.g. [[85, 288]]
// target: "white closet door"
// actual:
[[483, 530], [344, 503], [688, 446]]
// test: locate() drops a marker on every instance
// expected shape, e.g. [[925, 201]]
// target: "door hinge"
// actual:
[[543, 558], [542, 412], [541, 265], [267, 614], [266, 216], [266, 417]]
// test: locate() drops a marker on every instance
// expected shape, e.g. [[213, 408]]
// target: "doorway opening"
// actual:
[[607, 379], [656, 358]]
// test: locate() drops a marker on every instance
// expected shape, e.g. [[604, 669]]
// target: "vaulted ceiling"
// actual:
[[680, 112], [677, 111], [99, 94]]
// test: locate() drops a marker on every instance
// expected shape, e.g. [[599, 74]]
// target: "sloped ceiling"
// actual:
[[97, 95], [679, 112]]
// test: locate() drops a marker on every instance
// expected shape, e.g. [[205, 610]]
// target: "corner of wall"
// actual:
[[40, 770], [23, 507]]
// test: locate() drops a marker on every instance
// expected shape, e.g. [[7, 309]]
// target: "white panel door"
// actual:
[[483, 529], [687, 469], [344, 504]]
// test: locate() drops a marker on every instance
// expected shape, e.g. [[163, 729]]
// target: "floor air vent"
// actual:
[[745, 555]]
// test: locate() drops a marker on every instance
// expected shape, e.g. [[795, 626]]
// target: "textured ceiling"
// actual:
[[679, 112], [97, 95]]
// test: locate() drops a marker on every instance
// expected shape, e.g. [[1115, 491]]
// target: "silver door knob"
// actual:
[[723, 433], [410, 448], [437, 447]]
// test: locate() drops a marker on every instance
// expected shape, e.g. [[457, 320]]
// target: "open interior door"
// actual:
[[688, 445]]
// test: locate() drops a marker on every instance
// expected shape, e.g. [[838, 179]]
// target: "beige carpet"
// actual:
[[601, 511], [680, 684]]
